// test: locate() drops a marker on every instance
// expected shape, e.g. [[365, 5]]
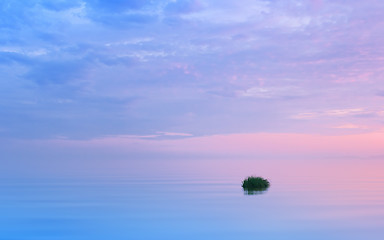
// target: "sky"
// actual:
[[249, 77]]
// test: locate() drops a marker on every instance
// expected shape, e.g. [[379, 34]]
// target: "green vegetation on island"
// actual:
[[255, 184]]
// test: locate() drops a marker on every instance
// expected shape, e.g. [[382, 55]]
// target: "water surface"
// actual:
[[195, 206]]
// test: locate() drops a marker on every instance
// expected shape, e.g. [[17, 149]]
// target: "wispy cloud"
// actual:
[[130, 42], [348, 112], [273, 92], [351, 126], [344, 112], [156, 136], [175, 134]]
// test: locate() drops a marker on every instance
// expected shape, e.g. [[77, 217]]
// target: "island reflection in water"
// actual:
[[255, 191]]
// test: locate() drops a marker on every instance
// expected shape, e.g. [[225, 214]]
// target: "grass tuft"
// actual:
[[255, 184]]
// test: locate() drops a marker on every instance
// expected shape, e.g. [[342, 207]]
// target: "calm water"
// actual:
[[191, 207]]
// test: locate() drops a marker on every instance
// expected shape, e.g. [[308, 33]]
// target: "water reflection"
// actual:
[[255, 191]]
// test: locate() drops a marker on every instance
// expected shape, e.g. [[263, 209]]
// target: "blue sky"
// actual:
[[178, 68]]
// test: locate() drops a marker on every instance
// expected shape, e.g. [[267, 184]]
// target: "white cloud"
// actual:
[[347, 112], [144, 56], [129, 136], [272, 92], [175, 134], [134, 41], [344, 112], [149, 136], [26, 52]]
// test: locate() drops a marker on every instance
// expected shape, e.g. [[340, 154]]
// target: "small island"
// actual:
[[251, 185]]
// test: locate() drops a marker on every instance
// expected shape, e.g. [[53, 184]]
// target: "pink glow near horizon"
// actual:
[[257, 144], [371, 144], [245, 146], [282, 157]]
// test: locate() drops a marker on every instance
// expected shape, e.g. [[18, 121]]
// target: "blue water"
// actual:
[[123, 207]]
